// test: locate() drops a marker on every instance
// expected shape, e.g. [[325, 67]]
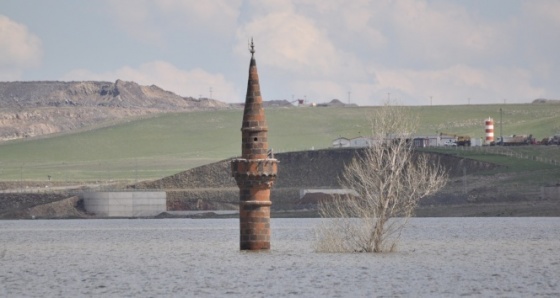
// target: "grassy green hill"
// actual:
[[170, 143]]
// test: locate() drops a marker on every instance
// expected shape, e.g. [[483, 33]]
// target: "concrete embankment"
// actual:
[[211, 187]]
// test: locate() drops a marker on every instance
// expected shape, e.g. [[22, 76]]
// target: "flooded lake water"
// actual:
[[513, 257]]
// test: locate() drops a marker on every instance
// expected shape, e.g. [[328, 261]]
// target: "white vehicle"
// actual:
[[449, 143]]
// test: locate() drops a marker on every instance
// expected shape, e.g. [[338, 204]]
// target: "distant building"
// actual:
[[360, 142], [427, 141], [421, 142]]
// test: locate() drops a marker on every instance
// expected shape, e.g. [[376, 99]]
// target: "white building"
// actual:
[[360, 142], [341, 143]]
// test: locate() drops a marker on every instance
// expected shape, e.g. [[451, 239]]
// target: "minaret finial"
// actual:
[[252, 47]]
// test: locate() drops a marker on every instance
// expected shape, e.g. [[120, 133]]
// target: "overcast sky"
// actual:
[[419, 52]]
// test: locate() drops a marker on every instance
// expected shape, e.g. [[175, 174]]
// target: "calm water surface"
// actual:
[[513, 257]]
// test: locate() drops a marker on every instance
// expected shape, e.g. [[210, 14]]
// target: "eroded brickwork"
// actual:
[[255, 172]]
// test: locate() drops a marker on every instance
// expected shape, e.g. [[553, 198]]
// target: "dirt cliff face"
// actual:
[[33, 122], [29, 109]]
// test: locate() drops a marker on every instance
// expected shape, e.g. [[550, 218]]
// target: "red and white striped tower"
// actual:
[[489, 129], [255, 172]]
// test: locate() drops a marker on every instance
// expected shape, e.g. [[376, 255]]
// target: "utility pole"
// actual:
[[210, 92], [349, 96], [501, 135], [431, 102]]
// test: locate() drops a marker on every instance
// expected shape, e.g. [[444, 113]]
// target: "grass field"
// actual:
[[526, 169], [514, 158], [170, 143]]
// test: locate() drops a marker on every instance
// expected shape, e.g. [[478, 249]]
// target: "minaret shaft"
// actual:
[[255, 172]]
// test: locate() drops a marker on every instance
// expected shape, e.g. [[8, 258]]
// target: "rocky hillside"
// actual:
[[29, 109], [546, 101]]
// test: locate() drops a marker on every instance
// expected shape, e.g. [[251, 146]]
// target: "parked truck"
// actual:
[[515, 140], [460, 140]]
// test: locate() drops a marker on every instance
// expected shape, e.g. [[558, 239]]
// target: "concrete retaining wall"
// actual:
[[125, 204]]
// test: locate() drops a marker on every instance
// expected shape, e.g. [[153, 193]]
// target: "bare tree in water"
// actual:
[[389, 179]]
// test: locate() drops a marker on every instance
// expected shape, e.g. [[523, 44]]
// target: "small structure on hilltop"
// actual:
[[255, 172]]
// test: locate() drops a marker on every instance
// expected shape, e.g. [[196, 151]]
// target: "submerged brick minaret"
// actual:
[[255, 172]]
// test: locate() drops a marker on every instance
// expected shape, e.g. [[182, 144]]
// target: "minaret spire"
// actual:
[[255, 171]]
